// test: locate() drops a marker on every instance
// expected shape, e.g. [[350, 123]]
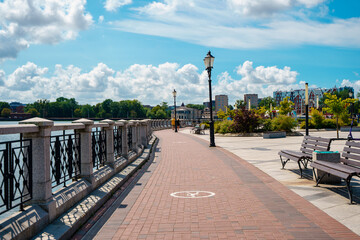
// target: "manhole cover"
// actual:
[[192, 194]]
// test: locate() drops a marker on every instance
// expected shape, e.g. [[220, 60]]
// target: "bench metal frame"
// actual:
[[348, 166], [308, 146]]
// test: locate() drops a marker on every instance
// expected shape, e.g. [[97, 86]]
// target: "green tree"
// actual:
[[33, 112], [196, 106], [337, 107], [285, 106], [77, 112], [5, 112], [4, 105], [239, 104], [266, 101]]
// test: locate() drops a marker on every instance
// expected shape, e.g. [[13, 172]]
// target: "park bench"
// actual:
[[308, 146], [348, 166], [198, 129]]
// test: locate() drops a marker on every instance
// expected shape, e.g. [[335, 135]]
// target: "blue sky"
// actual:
[[127, 49]]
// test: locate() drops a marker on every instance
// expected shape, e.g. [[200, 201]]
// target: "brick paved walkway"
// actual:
[[248, 204]]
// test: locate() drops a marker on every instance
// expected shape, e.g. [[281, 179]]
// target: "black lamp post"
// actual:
[[174, 94], [209, 63], [307, 108], [352, 105]]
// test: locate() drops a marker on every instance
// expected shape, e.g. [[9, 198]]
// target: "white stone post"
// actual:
[[41, 179], [110, 158], [124, 139], [86, 163]]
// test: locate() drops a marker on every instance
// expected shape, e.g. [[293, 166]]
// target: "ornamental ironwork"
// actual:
[[15, 174], [65, 158], [98, 148]]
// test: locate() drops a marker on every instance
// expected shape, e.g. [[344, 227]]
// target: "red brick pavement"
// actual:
[[248, 204]]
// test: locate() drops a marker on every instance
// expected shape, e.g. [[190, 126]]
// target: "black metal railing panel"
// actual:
[[98, 148], [129, 136], [65, 158], [15, 174], [117, 141]]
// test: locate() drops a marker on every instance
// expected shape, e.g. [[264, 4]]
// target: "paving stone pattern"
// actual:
[[248, 204]]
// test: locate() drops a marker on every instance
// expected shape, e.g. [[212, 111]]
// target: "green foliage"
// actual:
[[337, 107], [4, 105], [33, 112], [283, 123], [267, 125], [207, 125], [329, 123], [245, 121], [5, 112], [240, 104], [224, 126], [196, 106], [261, 111], [286, 106], [265, 102], [317, 118], [159, 111], [221, 114]]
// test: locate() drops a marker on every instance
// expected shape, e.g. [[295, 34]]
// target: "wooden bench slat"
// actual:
[[351, 162], [293, 155], [351, 156], [353, 144], [353, 150], [313, 148], [324, 144], [317, 138], [329, 170], [339, 166]]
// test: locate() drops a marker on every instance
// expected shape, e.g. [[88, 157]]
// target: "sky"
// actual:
[[136, 49]]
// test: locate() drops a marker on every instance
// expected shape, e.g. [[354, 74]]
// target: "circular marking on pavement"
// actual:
[[192, 194]]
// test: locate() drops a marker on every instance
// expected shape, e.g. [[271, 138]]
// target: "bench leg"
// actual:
[[347, 181], [283, 162], [317, 178]]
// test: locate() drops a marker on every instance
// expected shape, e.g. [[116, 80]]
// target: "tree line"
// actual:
[[70, 108]]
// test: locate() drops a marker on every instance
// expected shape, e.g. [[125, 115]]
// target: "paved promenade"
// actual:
[[226, 198]]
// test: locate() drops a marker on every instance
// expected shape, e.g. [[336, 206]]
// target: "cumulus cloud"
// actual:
[[147, 83], [25, 22], [25, 77], [244, 23], [261, 80], [113, 5]]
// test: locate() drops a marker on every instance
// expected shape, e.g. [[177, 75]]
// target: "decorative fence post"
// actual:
[[41, 189], [86, 163], [109, 142]]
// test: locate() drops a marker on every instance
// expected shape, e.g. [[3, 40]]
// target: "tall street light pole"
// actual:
[[174, 94], [209, 63], [307, 108]]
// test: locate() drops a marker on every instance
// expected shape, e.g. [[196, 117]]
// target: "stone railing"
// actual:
[[55, 165]]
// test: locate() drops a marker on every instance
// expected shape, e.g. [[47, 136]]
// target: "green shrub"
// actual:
[[317, 118], [267, 125], [329, 123], [310, 125], [283, 123], [224, 126], [345, 119], [245, 121], [207, 125]]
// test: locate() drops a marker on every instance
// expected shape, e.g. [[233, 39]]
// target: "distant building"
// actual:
[[183, 112], [207, 104], [298, 97], [221, 102], [252, 98]]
